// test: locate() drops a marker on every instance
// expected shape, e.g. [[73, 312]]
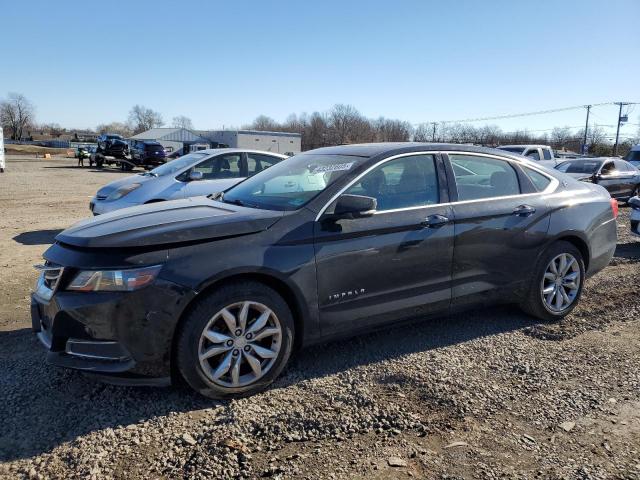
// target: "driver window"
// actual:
[[608, 169], [220, 167], [406, 182]]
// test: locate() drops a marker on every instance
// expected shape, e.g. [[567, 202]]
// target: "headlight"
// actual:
[[122, 191], [114, 280]]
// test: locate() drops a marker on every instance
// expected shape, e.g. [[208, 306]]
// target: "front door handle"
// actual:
[[524, 210], [434, 221]]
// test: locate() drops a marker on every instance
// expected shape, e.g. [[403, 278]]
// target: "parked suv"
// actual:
[[147, 153], [332, 242], [112, 145]]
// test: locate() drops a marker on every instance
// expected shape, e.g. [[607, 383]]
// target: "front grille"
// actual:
[[101, 197]]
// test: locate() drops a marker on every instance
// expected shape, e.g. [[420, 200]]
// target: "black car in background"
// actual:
[[619, 177], [147, 153], [112, 145], [336, 241]]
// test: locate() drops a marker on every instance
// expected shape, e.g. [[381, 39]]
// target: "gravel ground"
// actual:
[[488, 394]]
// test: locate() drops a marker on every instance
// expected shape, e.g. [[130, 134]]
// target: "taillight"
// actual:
[[614, 207]]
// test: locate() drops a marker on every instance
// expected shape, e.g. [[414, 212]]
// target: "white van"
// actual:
[[633, 157]]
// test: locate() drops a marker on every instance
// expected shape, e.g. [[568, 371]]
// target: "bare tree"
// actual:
[[142, 118], [392, 130], [182, 122], [114, 127], [264, 123], [16, 114]]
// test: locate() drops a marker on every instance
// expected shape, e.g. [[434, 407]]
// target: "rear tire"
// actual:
[[556, 285], [236, 341]]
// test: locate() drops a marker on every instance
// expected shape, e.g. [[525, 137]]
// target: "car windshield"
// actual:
[[153, 148], [580, 166], [292, 183], [633, 156], [178, 164], [519, 150]]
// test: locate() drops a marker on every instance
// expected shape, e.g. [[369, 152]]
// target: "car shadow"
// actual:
[[93, 169], [630, 251], [37, 237], [45, 406]]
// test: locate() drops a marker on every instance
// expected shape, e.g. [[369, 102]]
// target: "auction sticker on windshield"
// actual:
[[337, 167]]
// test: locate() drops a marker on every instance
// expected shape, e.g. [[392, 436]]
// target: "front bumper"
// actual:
[[125, 337]]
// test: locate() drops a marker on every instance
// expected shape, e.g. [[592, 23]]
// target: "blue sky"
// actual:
[[224, 63]]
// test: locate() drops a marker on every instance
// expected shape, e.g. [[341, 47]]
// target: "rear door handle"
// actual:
[[524, 210], [434, 221]]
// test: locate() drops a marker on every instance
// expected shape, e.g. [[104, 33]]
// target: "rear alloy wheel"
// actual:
[[561, 282], [557, 282], [240, 348]]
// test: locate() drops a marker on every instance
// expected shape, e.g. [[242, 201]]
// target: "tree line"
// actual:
[[342, 124], [345, 124]]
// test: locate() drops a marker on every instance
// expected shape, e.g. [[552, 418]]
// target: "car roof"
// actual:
[[211, 151], [372, 149], [528, 145]]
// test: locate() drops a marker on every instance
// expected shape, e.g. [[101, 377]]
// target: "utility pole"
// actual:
[[586, 128], [433, 135], [615, 145]]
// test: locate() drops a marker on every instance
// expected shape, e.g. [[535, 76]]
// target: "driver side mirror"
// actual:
[[354, 206], [194, 176]]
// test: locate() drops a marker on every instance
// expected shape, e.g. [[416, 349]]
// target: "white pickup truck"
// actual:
[[538, 153]]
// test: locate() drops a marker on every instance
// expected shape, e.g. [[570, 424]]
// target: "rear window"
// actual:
[[633, 156], [519, 150]]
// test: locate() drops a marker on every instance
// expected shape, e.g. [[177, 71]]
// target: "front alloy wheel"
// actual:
[[240, 344], [561, 282], [235, 340]]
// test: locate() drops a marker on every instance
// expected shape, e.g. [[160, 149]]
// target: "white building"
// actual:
[[278, 142]]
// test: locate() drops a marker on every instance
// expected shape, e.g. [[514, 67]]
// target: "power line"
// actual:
[[528, 114]]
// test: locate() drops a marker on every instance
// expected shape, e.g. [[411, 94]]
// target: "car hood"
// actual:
[[116, 184], [190, 220]]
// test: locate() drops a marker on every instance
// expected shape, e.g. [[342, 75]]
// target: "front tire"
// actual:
[[236, 341], [557, 282]]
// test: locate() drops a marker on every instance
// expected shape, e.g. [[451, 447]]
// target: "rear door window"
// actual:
[[546, 153], [539, 180], [489, 178], [256, 162]]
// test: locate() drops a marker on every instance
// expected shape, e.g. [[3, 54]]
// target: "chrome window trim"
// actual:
[[553, 184]]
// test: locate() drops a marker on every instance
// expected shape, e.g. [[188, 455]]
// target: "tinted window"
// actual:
[[153, 148], [257, 162], [546, 153], [222, 166], [533, 154], [633, 156], [539, 180], [490, 177], [405, 182], [580, 166]]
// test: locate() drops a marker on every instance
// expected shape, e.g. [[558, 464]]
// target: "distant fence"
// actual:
[[40, 143]]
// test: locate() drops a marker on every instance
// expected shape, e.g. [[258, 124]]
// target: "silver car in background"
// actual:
[[195, 174]]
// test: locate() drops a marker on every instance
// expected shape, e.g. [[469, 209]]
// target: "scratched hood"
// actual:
[[188, 220]]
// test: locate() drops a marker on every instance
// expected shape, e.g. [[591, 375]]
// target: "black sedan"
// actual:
[[336, 241], [619, 177]]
